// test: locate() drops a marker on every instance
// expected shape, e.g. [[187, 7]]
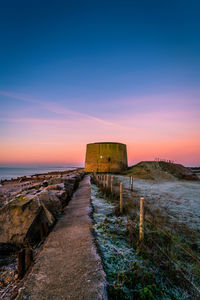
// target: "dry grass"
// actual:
[[168, 246]]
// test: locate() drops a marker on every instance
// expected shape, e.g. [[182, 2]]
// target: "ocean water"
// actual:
[[8, 172]]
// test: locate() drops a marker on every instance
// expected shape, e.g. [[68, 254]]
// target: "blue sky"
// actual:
[[112, 60]]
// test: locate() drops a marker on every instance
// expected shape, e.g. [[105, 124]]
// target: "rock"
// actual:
[[55, 180], [62, 196], [27, 216], [8, 275], [2, 200], [59, 186], [45, 183], [69, 188], [51, 202], [18, 219]]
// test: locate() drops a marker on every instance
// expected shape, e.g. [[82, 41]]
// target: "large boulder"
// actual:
[[63, 196], [19, 217], [51, 202], [59, 186]]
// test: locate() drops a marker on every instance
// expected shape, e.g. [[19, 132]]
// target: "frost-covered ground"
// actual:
[[181, 199], [108, 229], [128, 275]]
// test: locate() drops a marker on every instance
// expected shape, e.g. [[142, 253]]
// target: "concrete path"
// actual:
[[68, 266]]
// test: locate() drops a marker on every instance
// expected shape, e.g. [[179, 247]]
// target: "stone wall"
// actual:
[[106, 157]]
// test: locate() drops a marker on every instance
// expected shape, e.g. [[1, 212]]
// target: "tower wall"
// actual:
[[106, 157]]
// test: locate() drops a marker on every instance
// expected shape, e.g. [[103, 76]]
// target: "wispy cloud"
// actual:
[[58, 109]]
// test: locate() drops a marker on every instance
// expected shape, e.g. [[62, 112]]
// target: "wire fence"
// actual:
[[153, 225]]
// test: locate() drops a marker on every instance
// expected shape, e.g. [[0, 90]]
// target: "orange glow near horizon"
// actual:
[[63, 139], [185, 152]]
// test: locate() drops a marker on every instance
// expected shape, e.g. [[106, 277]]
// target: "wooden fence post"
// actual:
[[21, 263], [121, 198], [111, 184], [29, 257], [107, 181], [141, 229], [131, 183]]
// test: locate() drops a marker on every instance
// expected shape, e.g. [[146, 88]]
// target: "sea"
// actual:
[[11, 173]]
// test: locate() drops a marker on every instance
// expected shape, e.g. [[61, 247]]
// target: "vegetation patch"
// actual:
[[160, 170], [131, 273]]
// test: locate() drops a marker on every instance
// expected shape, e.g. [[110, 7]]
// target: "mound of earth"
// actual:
[[156, 170]]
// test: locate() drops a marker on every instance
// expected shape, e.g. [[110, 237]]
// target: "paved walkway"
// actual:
[[68, 266]]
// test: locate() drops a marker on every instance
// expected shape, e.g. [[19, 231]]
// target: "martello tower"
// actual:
[[106, 157]]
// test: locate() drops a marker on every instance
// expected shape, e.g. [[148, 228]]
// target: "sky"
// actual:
[[77, 72]]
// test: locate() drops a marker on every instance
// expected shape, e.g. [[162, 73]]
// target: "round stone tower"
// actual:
[[106, 157]]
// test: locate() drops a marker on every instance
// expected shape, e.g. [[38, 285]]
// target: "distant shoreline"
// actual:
[[9, 173]]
